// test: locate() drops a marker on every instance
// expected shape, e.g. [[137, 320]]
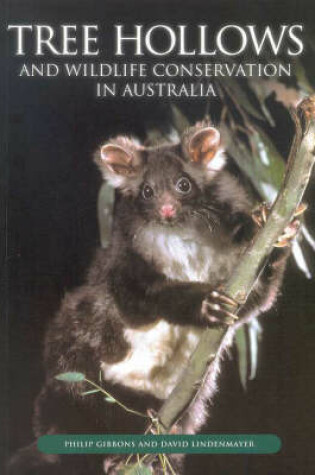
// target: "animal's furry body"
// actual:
[[148, 297]]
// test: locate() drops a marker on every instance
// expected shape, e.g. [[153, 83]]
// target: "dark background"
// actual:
[[53, 126]]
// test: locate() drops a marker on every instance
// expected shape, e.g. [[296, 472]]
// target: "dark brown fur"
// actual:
[[125, 290]]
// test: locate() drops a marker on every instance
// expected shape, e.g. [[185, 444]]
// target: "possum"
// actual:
[[181, 223]]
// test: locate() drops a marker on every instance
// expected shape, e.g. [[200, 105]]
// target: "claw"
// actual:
[[289, 234], [232, 315], [257, 220], [281, 244], [264, 212], [224, 298], [216, 309], [152, 427], [300, 209], [260, 214]]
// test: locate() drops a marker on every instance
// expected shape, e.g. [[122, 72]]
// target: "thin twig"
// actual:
[[107, 394]]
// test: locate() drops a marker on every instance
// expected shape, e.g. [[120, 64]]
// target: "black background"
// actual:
[[53, 126]]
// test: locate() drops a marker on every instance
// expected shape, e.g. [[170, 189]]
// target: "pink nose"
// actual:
[[167, 211]]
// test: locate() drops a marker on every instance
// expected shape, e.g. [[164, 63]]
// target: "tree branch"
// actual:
[[207, 355]]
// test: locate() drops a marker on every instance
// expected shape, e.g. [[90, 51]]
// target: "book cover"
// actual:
[[158, 217]]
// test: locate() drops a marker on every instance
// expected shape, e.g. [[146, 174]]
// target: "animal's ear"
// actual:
[[120, 162], [202, 144]]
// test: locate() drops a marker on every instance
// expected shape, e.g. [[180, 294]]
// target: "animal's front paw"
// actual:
[[260, 216], [113, 464], [291, 231], [218, 309], [289, 234]]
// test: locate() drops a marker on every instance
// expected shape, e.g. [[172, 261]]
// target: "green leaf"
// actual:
[[241, 345], [92, 391], [259, 89], [105, 207], [273, 171], [254, 334], [71, 377], [261, 162], [236, 89], [301, 77], [180, 121], [110, 399], [135, 470]]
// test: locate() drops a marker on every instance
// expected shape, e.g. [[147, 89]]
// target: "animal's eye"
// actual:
[[147, 192], [183, 185]]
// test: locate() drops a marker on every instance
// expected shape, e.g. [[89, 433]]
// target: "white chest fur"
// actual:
[[180, 255], [156, 358], [158, 354]]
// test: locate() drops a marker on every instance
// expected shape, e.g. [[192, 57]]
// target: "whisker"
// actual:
[[213, 212], [205, 219]]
